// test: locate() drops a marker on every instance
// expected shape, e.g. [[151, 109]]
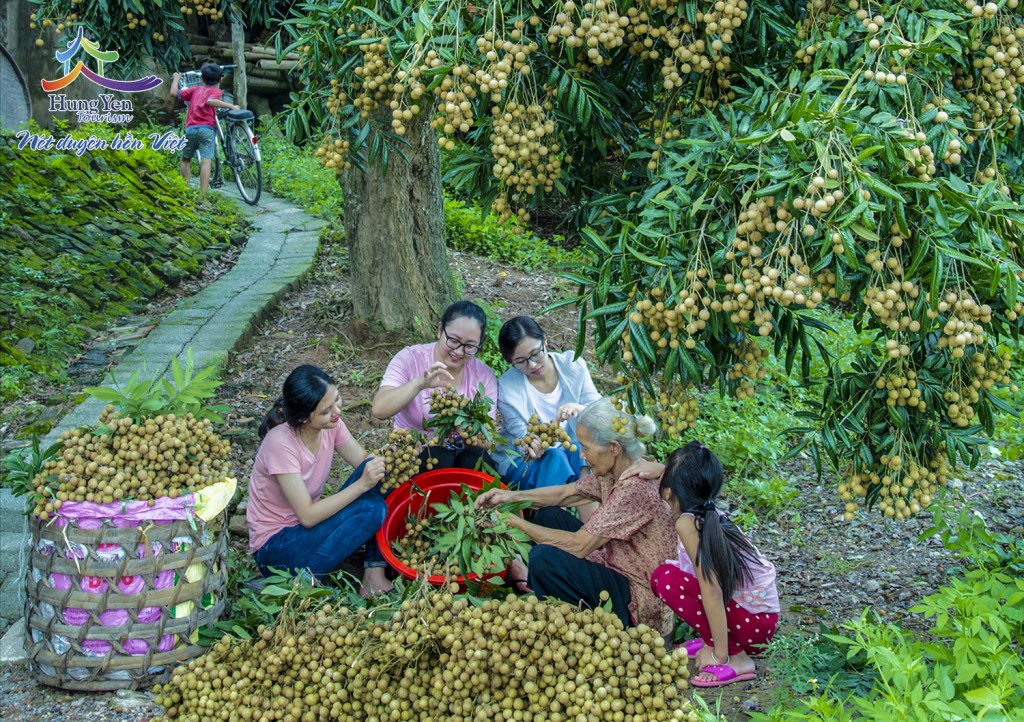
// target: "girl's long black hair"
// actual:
[[724, 554], [303, 390]]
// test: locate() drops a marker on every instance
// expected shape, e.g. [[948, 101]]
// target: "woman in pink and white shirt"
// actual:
[[450, 360], [292, 526]]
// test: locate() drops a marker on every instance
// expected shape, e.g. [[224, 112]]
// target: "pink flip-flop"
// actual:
[[724, 674], [692, 646]]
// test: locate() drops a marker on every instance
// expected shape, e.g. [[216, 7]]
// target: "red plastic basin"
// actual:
[[434, 487]]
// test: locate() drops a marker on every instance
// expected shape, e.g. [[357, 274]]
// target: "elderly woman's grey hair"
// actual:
[[598, 416]]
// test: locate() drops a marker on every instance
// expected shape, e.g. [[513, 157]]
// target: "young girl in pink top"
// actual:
[[290, 525], [721, 585], [404, 393]]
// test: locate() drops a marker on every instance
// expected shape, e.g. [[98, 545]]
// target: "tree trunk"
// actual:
[[241, 81], [401, 281]]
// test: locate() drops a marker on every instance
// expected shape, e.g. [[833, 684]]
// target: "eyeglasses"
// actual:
[[455, 344], [534, 357]]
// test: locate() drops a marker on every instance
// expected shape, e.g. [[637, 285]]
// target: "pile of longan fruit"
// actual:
[[550, 434], [438, 658], [121, 459]]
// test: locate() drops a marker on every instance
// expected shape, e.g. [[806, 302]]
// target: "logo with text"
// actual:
[[107, 108]]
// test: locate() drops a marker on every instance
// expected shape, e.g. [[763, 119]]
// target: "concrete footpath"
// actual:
[[278, 254]]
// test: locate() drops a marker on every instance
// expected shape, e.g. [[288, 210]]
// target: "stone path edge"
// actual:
[[279, 253]]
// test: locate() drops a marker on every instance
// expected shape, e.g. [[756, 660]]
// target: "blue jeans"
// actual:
[[321, 549], [555, 467]]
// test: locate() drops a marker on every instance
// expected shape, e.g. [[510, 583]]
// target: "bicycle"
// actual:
[[238, 143]]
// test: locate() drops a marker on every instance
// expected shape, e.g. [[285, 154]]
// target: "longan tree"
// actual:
[[733, 167]]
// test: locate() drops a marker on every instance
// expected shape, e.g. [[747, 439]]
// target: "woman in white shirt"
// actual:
[[550, 385]]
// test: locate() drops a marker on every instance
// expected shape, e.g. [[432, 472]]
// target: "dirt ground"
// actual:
[[829, 570]]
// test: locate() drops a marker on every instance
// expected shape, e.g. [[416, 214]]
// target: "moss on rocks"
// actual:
[[87, 238]]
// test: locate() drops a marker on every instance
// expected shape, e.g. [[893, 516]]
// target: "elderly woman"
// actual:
[[617, 549]]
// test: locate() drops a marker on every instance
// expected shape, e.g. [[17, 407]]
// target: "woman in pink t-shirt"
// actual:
[[290, 525], [721, 585], [404, 394]]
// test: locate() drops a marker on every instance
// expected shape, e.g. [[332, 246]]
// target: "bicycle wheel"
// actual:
[[246, 164]]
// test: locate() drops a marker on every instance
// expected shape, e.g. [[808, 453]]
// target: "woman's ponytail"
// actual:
[[274, 417]]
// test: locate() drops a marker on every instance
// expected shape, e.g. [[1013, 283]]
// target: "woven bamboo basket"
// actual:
[[120, 607]]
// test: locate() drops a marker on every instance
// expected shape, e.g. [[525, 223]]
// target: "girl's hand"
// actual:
[[568, 410], [644, 469], [494, 497], [373, 472], [436, 376]]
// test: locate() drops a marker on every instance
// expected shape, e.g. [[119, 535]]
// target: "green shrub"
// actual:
[[292, 172], [966, 666], [468, 230]]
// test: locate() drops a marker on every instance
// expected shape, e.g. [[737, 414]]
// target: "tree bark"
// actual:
[[394, 220], [241, 81]]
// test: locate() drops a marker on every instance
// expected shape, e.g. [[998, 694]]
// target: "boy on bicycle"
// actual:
[[200, 121]]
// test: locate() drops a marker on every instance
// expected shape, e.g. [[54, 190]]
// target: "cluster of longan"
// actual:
[[525, 154], [124, 460], [505, 57], [891, 304], [686, 48], [135, 22], [749, 365], [922, 160], [401, 458], [965, 321], [334, 152], [417, 548], [901, 389], [550, 434], [440, 657], [816, 200], [620, 423], [375, 74], [454, 113], [986, 370], [994, 95], [446, 403], [677, 409], [662, 320], [594, 27], [210, 8], [905, 487]]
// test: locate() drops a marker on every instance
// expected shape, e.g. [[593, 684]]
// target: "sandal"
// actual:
[[692, 646], [723, 673]]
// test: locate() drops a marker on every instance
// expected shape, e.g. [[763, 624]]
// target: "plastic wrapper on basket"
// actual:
[[116, 593]]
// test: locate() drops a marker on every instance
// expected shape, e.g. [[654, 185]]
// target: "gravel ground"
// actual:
[[22, 699]]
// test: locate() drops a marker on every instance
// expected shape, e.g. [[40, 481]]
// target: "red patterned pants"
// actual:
[[748, 632]]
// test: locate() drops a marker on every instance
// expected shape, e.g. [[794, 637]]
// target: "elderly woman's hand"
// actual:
[[494, 497], [644, 469]]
